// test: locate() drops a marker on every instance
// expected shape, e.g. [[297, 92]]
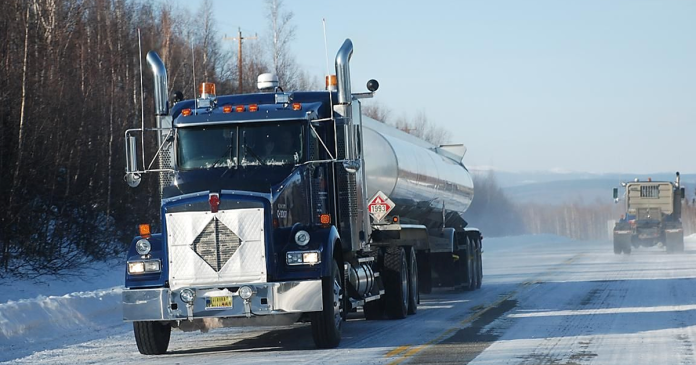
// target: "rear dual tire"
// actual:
[[401, 284], [396, 283]]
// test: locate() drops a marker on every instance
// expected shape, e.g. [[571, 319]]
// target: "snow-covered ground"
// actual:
[[56, 312], [78, 320]]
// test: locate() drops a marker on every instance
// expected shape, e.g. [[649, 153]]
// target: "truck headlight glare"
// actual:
[[143, 247], [137, 267], [245, 292], [302, 238], [188, 295], [310, 258]]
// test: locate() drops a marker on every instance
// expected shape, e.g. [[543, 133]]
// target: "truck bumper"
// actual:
[[163, 304]]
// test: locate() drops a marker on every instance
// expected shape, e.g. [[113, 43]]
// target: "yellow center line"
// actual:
[[409, 350], [397, 350], [415, 349]]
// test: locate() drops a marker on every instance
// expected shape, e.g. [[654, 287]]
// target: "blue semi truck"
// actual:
[[284, 207]]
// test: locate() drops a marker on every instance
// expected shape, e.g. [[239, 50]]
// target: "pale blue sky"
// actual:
[[598, 86]]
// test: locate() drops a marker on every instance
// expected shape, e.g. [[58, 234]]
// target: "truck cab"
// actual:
[[652, 216]]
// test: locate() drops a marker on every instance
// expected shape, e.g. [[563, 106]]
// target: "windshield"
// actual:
[[228, 146]]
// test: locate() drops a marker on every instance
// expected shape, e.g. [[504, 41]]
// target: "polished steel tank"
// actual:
[[412, 173]]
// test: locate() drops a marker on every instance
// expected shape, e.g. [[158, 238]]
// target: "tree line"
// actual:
[[70, 85]]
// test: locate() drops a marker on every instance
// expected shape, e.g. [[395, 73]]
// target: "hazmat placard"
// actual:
[[379, 206]]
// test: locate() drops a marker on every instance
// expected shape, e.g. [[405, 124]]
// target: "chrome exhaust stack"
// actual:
[[164, 120], [343, 72], [159, 73]]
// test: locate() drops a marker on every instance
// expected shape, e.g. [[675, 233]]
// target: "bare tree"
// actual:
[[282, 33], [377, 112], [421, 127]]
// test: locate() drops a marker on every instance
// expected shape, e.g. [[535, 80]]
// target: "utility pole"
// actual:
[[239, 39]]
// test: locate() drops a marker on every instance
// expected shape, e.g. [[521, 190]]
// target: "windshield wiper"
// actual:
[[253, 154], [224, 155]]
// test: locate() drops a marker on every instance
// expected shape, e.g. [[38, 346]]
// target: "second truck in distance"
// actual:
[[652, 216]]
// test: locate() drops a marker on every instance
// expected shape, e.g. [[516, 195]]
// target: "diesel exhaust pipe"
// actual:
[[160, 75], [343, 72]]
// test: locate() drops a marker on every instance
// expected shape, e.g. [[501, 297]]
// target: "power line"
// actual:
[[239, 39]]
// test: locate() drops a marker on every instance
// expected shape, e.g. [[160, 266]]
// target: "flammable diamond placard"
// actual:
[[379, 206]]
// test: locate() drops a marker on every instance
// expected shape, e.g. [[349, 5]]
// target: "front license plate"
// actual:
[[218, 302]]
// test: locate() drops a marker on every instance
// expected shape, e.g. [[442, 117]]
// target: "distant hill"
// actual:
[[548, 187]]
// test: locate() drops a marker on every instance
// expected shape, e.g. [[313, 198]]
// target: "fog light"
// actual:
[[188, 295], [245, 292], [143, 247]]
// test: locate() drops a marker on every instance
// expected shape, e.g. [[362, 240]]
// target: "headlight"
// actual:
[[143, 247], [245, 292], [302, 238], [188, 295], [136, 267], [303, 257], [310, 258], [144, 266]]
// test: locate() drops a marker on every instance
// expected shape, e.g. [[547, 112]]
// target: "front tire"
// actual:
[[326, 325], [152, 338]]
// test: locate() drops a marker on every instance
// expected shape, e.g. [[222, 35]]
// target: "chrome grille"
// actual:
[[216, 244]]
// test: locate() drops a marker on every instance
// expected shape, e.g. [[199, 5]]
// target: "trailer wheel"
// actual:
[[396, 283], [413, 294], [479, 263], [326, 325], [470, 262], [425, 275], [152, 338]]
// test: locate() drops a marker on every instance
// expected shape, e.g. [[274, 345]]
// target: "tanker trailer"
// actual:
[[429, 189], [265, 217]]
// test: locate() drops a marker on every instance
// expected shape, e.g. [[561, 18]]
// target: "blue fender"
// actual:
[[329, 239]]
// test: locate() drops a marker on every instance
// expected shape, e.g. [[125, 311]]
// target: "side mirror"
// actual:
[[682, 193], [616, 194], [132, 176]]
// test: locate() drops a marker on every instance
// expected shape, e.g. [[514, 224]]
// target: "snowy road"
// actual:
[[545, 300]]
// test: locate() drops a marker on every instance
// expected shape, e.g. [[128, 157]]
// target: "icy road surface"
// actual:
[[545, 300]]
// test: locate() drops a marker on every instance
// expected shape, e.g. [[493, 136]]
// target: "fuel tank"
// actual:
[[411, 172]]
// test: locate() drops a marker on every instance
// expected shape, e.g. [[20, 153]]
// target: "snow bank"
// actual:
[[38, 315]]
